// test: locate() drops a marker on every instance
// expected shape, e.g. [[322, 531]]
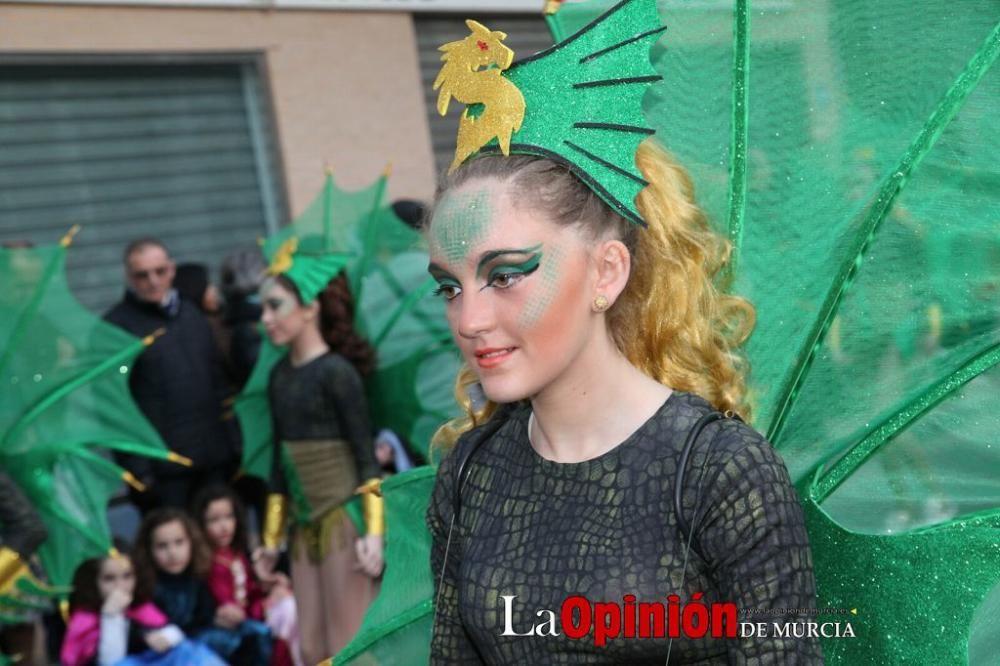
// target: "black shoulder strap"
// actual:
[[486, 431], [692, 438]]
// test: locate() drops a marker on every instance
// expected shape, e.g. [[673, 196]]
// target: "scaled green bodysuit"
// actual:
[[542, 531]]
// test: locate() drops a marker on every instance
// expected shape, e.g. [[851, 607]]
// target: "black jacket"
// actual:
[[178, 384]]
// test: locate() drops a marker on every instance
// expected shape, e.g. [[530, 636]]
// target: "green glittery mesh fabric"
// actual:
[[397, 627], [848, 150], [65, 406]]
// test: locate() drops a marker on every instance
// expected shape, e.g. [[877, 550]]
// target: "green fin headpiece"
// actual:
[[307, 265], [578, 103]]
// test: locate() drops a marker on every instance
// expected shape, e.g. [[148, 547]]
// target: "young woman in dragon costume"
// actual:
[[323, 451], [606, 460]]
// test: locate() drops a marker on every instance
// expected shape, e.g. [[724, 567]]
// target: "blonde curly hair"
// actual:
[[674, 321]]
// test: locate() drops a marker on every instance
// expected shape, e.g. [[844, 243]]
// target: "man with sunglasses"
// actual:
[[177, 381]]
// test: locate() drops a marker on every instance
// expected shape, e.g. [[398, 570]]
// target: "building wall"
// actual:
[[346, 87]]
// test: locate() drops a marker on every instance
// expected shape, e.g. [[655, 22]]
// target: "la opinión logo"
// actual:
[[579, 618]]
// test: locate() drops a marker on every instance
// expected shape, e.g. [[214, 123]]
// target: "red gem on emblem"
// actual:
[[483, 46]]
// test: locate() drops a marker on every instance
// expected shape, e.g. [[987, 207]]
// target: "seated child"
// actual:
[[112, 622], [171, 550], [237, 591]]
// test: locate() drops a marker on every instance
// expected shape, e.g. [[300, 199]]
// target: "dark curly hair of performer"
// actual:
[[337, 325]]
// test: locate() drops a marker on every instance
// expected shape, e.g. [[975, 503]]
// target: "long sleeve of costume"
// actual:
[[347, 396], [754, 536], [277, 483]]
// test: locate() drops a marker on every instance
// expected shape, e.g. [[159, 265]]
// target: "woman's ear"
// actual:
[[312, 311], [613, 264]]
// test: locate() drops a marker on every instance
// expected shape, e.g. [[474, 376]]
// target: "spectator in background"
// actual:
[[171, 552], [192, 282], [177, 381], [113, 622], [193, 285], [412, 213], [242, 274], [394, 453], [220, 514]]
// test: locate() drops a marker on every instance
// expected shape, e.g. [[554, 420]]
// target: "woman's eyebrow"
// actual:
[[437, 271], [489, 256]]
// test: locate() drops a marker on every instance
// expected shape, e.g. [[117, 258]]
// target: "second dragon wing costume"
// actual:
[[64, 407]]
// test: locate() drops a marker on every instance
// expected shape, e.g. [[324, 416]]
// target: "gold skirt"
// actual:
[[328, 477]]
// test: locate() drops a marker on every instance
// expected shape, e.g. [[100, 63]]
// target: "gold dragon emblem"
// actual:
[[283, 257], [552, 6], [472, 73]]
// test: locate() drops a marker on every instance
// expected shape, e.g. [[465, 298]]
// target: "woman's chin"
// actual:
[[504, 391], [278, 340]]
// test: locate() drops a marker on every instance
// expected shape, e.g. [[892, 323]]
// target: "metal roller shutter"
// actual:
[[526, 35], [180, 151]]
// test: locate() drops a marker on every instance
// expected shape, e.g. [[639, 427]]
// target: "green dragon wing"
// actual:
[[64, 405], [847, 151]]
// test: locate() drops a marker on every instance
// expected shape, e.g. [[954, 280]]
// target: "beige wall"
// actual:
[[346, 85]]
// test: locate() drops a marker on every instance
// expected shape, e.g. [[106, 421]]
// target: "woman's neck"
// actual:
[[594, 406], [307, 345]]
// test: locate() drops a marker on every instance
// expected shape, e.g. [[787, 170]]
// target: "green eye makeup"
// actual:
[[525, 268]]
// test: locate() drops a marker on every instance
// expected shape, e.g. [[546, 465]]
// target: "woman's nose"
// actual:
[[476, 315]]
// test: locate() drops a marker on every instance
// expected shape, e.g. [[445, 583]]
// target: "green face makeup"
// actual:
[[461, 222], [546, 291], [276, 298]]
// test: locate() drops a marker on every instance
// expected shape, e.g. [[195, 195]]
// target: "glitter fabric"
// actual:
[[473, 74], [583, 102], [915, 593]]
